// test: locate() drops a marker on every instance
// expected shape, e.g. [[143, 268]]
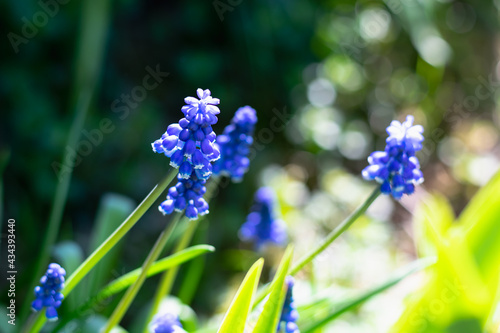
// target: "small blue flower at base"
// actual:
[[262, 226], [234, 144], [289, 314], [166, 323], [397, 168], [48, 294], [190, 144], [187, 195]]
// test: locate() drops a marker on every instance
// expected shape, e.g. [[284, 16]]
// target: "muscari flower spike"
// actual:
[[48, 294], [190, 144], [186, 194], [166, 323], [289, 314], [234, 144], [397, 168], [262, 226]]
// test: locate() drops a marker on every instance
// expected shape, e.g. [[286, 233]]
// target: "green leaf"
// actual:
[[339, 309], [481, 223], [236, 316], [269, 318], [159, 266], [433, 218]]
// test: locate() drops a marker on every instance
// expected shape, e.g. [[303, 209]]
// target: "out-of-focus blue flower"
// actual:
[[190, 144], [186, 194], [234, 144], [397, 168], [48, 294], [262, 226], [166, 323], [289, 314]]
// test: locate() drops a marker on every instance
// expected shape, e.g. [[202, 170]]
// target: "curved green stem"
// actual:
[[110, 242], [129, 296], [336, 232], [168, 278], [333, 235]]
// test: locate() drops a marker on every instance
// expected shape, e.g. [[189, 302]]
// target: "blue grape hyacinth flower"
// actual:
[[234, 144], [262, 226], [190, 144], [397, 168], [166, 323], [187, 195], [48, 294], [289, 314]]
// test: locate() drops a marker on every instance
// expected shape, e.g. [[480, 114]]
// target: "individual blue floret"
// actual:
[[187, 195], [289, 314], [166, 323], [262, 226], [190, 144], [397, 168], [48, 294], [234, 144]]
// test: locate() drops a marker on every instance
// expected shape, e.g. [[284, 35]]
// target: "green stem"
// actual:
[[333, 235], [339, 230], [132, 291], [168, 278], [111, 241]]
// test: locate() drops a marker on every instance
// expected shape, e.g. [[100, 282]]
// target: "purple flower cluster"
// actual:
[[234, 144], [186, 194], [397, 168], [190, 144], [262, 226], [289, 314], [165, 323], [48, 294]]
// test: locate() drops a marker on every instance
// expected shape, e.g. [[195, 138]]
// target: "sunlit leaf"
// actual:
[[338, 309], [269, 318], [236, 316]]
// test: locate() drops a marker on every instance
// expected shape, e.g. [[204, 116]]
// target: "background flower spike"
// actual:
[[234, 144]]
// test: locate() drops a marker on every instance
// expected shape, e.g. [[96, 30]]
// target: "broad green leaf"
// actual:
[[339, 309], [481, 224], [433, 217], [269, 318], [236, 316], [465, 280]]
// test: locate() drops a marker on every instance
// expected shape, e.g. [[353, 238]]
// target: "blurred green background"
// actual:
[[339, 71]]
